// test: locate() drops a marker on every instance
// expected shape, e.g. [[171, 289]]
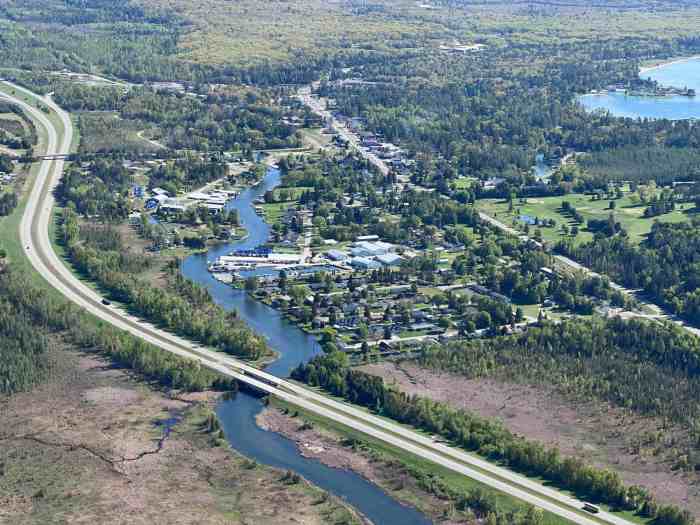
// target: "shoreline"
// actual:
[[667, 62]]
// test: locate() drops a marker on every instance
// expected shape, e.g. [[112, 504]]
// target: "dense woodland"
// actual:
[[33, 324], [486, 437], [666, 265], [662, 165], [184, 308]]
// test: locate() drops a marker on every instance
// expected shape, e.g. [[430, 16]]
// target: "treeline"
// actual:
[[101, 256], [666, 265], [100, 190], [224, 120], [6, 165], [607, 354], [8, 202], [31, 321], [488, 438], [661, 164]]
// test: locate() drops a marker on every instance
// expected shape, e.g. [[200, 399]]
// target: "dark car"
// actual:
[[106, 302]]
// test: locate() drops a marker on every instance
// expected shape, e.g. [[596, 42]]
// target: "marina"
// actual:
[[293, 346]]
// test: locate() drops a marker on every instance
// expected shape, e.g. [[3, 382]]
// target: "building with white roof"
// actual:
[[389, 259], [336, 255], [365, 263], [371, 249]]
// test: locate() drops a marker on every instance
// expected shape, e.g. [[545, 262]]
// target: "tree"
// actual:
[[251, 284]]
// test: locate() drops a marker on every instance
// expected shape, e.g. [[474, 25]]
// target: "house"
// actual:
[[423, 327]]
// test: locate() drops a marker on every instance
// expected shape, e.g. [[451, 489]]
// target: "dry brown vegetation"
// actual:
[[600, 434], [335, 451], [249, 32], [86, 447]]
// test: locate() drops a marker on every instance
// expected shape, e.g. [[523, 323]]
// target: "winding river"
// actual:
[[237, 415]]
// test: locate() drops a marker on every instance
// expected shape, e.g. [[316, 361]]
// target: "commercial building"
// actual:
[[371, 249], [389, 259], [364, 263], [336, 255]]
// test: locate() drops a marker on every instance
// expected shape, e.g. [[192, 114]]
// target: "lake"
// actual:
[[678, 74]]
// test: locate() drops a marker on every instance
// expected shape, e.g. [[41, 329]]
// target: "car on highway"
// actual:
[[589, 507], [106, 302]]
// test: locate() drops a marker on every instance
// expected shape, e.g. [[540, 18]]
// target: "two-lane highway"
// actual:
[[34, 233]]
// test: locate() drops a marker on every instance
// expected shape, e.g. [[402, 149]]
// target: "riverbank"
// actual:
[[336, 451], [96, 444], [237, 416]]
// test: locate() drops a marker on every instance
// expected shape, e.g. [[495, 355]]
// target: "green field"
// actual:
[[627, 212]]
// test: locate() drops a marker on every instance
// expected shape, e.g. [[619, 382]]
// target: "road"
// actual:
[[317, 107], [659, 312], [34, 234]]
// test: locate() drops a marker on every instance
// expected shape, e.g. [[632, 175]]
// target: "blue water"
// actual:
[[237, 415], [541, 170], [680, 75]]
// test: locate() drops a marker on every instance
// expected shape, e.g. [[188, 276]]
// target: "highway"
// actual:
[[34, 234]]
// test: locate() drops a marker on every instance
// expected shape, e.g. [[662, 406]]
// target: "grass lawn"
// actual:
[[274, 212], [464, 183], [629, 214]]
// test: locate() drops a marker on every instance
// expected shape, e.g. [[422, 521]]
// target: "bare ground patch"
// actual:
[[88, 447], [596, 432], [329, 449]]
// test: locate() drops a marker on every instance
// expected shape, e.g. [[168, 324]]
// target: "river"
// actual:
[[237, 415], [680, 74]]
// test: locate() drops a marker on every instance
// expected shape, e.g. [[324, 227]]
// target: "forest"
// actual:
[[486, 437], [99, 253], [666, 265], [33, 324], [662, 165]]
